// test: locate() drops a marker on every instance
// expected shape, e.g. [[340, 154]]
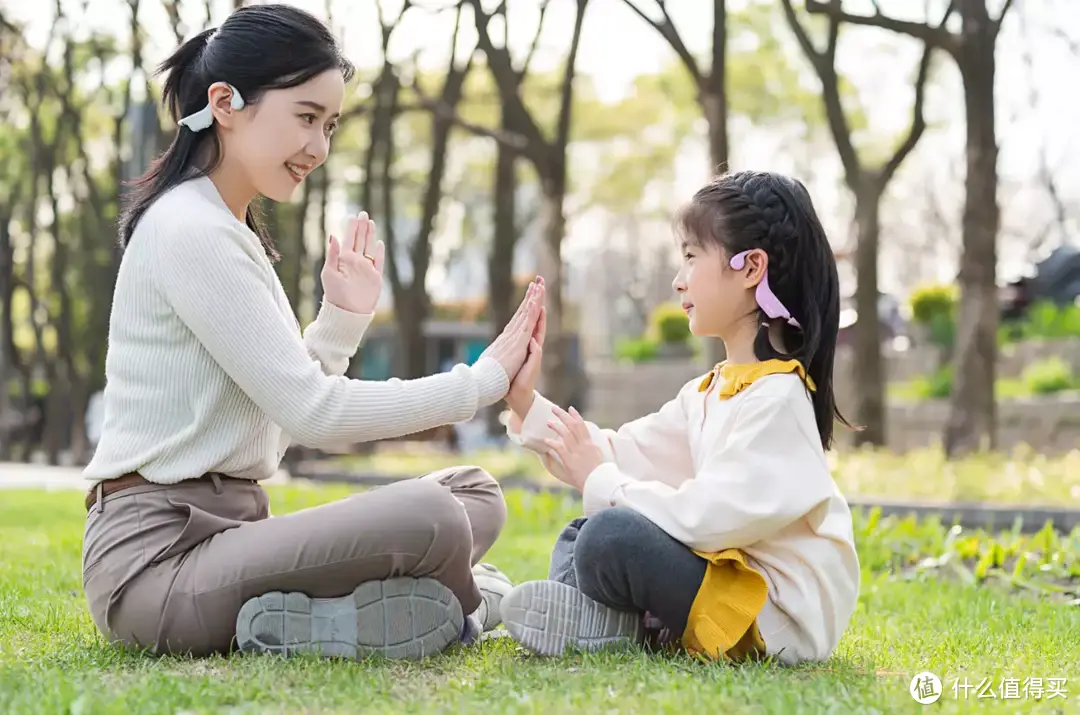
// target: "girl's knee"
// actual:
[[605, 544], [610, 534]]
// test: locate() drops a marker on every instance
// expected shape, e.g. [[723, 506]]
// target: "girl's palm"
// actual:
[[523, 384]]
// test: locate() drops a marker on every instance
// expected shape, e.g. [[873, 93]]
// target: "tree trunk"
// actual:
[[8, 355], [503, 243], [972, 409], [410, 304], [319, 258], [410, 313], [714, 105], [291, 221], [715, 108], [869, 372], [549, 159], [558, 374]]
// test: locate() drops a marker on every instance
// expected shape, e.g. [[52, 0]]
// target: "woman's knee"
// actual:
[[478, 485], [483, 499], [432, 505]]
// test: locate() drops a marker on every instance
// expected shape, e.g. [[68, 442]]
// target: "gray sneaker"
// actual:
[[548, 617], [493, 585], [401, 618]]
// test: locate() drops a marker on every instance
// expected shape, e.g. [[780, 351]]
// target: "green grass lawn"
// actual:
[[1020, 477], [961, 605]]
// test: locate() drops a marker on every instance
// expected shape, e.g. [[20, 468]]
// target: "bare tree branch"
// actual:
[[937, 36], [172, 9], [507, 79], [824, 64], [918, 118], [442, 110], [1072, 44], [667, 30], [1004, 11], [536, 40], [1046, 174], [562, 130]]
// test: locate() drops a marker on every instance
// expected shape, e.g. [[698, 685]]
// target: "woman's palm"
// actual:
[[352, 276], [511, 348]]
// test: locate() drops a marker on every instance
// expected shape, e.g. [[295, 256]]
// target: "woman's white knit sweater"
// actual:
[[208, 371]]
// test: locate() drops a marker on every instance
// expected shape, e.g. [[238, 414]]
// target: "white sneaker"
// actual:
[[493, 585], [548, 617]]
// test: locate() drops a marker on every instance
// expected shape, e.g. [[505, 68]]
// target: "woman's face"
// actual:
[[280, 139]]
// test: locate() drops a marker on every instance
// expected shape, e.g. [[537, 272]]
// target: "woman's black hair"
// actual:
[[754, 209], [257, 48]]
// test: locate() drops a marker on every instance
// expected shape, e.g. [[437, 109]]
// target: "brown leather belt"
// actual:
[[134, 479]]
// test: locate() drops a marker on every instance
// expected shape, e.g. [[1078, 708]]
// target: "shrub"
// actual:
[[942, 332], [1048, 376], [670, 324], [935, 386], [932, 302], [1046, 320], [934, 307], [636, 350]]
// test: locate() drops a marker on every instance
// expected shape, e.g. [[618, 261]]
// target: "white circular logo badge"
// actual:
[[925, 688]]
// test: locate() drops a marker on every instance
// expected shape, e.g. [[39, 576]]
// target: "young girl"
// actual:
[[714, 518], [209, 378]]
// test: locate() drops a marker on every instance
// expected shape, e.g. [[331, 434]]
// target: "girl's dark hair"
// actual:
[[257, 48], [754, 209]]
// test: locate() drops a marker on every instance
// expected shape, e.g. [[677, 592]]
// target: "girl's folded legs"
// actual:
[[614, 578]]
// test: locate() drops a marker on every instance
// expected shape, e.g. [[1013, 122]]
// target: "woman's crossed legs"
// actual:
[[191, 567]]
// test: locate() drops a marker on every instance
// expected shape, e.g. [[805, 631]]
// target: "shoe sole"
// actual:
[[402, 618], [548, 618], [493, 587]]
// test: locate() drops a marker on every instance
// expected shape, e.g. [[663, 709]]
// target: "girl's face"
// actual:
[[715, 296], [279, 140]]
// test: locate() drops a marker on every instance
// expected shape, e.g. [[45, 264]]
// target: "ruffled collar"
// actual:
[[733, 378]]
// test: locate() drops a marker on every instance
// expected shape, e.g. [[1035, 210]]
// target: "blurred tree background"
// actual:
[[492, 141]]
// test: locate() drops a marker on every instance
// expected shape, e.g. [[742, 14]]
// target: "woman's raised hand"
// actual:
[[352, 276], [512, 346]]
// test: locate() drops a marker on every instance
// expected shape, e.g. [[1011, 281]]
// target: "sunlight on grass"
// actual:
[[931, 599], [1021, 477]]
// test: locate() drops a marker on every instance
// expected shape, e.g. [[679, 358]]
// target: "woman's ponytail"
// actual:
[[177, 163], [257, 49], [181, 68]]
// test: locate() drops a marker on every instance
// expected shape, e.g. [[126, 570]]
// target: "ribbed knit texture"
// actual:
[[207, 369]]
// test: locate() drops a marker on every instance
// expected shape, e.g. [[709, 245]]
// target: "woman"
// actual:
[[209, 379]]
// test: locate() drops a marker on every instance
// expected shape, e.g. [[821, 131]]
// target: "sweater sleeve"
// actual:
[[216, 281], [763, 476], [641, 450], [334, 337]]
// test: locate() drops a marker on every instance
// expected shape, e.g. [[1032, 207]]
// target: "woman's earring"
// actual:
[[203, 118]]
